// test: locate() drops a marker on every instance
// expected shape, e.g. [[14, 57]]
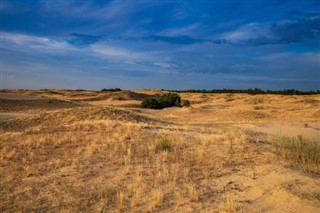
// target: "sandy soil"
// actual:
[[13, 96], [86, 151], [13, 115], [310, 131]]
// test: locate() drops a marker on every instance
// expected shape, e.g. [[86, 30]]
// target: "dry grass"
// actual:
[[145, 168], [157, 196], [299, 151], [230, 205], [112, 159], [164, 144], [192, 193]]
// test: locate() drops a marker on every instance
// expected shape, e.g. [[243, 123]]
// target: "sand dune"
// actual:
[[14, 96], [87, 151]]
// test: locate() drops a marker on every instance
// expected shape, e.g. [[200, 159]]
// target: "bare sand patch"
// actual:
[[310, 131], [14, 115], [217, 106]]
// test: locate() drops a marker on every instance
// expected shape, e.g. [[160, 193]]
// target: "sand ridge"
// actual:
[[88, 151]]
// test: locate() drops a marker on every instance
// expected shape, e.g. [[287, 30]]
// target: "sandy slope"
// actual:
[[14, 96], [13, 115], [89, 152]]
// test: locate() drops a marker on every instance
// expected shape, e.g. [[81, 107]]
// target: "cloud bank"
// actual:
[[174, 45]]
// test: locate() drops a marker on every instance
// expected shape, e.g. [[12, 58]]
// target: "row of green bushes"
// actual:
[[254, 91], [165, 100], [111, 90]]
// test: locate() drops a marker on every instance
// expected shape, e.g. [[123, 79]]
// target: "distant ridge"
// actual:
[[255, 91]]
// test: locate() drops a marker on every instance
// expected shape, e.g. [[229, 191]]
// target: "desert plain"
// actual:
[[90, 151]]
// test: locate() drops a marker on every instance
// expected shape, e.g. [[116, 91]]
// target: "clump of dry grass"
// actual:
[[299, 151], [230, 205], [164, 144], [157, 196], [120, 200], [192, 193], [109, 195], [137, 196]]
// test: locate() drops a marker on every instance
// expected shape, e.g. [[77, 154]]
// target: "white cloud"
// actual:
[[246, 32], [189, 30], [32, 47], [280, 32], [165, 65], [22, 42], [118, 53], [112, 10], [290, 57]]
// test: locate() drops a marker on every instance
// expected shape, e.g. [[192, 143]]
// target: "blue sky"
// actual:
[[160, 44]]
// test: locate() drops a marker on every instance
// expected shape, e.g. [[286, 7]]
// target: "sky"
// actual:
[[167, 44]]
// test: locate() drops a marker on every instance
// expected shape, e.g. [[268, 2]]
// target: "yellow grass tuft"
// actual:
[[157, 197], [192, 193], [120, 199], [137, 196], [230, 205], [299, 151]]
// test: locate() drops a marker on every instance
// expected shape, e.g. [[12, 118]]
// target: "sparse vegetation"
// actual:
[[164, 144], [112, 156], [229, 205], [299, 151]]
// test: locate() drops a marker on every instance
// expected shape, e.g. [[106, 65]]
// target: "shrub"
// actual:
[[166, 100], [150, 103], [185, 103], [111, 90], [170, 99]]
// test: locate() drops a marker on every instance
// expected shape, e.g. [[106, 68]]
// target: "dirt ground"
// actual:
[[88, 151]]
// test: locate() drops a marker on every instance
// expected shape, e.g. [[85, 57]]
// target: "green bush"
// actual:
[[151, 103], [166, 100], [170, 99], [185, 103], [111, 90]]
